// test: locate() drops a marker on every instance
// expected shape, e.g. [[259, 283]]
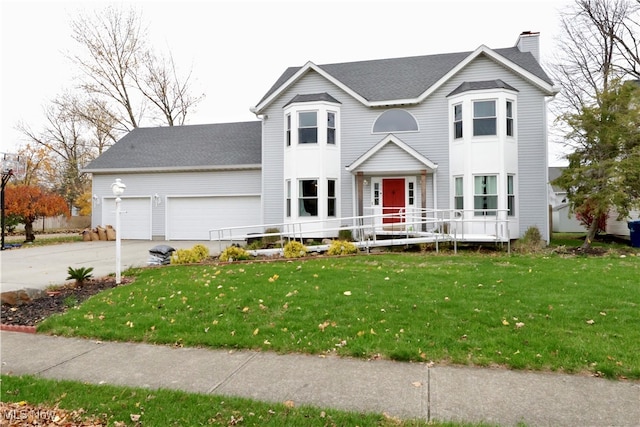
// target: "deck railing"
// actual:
[[435, 225]]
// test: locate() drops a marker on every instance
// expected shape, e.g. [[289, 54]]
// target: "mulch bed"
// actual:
[[35, 311]]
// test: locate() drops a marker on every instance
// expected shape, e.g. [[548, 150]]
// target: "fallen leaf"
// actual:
[[323, 325], [519, 325], [347, 293], [416, 384], [255, 332], [289, 403], [135, 417], [591, 321], [505, 322]]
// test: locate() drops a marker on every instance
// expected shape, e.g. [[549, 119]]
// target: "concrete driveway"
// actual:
[[42, 266]]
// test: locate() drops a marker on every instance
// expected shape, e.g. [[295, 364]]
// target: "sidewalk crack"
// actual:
[[99, 344], [232, 374]]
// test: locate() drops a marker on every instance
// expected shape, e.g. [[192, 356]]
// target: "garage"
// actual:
[[135, 220], [191, 218]]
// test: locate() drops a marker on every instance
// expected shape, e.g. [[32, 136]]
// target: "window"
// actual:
[[288, 130], [411, 193], [485, 195], [395, 120], [331, 128], [511, 198], [288, 193], [331, 197], [458, 198], [484, 118], [308, 128], [509, 118], [376, 194], [457, 121], [308, 197]]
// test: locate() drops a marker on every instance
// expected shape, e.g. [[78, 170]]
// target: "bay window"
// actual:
[[457, 121], [484, 118], [485, 197], [308, 197], [331, 197], [308, 127]]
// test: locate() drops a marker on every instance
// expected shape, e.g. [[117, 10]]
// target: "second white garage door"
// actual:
[[191, 218]]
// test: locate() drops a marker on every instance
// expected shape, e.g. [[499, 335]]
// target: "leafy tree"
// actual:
[[604, 169], [84, 203], [596, 110], [30, 202]]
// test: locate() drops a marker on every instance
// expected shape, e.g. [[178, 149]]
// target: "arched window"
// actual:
[[395, 120]]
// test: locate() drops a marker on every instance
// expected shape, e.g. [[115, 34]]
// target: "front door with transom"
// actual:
[[393, 203]]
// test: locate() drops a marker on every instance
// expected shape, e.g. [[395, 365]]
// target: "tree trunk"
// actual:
[[591, 234], [28, 232]]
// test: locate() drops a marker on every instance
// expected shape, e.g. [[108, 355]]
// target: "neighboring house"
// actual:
[[564, 221], [428, 134]]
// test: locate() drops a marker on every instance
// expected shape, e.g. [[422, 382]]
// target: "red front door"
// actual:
[[393, 200]]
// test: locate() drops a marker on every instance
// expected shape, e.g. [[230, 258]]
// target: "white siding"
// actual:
[[432, 141], [163, 184]]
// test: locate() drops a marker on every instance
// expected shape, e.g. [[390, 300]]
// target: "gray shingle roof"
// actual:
[[486, 84], [188, 147], [313, 97], [405, 78]]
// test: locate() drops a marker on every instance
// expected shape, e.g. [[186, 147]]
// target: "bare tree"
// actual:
[[125, 80], [63, 138], [162, 86], [112, 42]]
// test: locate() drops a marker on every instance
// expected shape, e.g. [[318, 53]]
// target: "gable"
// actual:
[[391, 154]]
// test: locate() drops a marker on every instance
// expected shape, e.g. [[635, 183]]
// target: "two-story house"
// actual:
[[401, 141]]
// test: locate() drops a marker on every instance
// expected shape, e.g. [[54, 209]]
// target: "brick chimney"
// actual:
[[529, 41]]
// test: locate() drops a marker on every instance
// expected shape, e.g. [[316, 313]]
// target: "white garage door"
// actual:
[[191, 218], [135, 219]]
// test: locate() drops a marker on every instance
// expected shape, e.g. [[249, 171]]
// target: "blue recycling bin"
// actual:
[[634, 227]]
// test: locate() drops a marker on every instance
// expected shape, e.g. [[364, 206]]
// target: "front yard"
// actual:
[[572, 314]]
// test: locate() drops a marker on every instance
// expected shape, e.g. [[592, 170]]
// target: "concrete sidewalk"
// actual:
[[406, 390]]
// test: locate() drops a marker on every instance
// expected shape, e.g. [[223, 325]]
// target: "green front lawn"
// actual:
[[569, 314]]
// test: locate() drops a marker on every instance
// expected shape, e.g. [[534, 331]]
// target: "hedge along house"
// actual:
[[462, 132]]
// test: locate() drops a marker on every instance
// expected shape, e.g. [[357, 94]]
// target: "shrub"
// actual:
[[201, 250], [341, 247], [531, 241], [270, 239], [190, 256], [234, 253], [79, 274], [295, 249], [345, 234]]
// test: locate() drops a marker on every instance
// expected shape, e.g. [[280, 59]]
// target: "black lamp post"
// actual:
[[10, 166]]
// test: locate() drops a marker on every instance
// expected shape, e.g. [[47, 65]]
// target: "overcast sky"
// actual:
[[236, 50]]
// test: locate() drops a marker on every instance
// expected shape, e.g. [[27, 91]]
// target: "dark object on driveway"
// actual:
[[634, 232], [160, 255]]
